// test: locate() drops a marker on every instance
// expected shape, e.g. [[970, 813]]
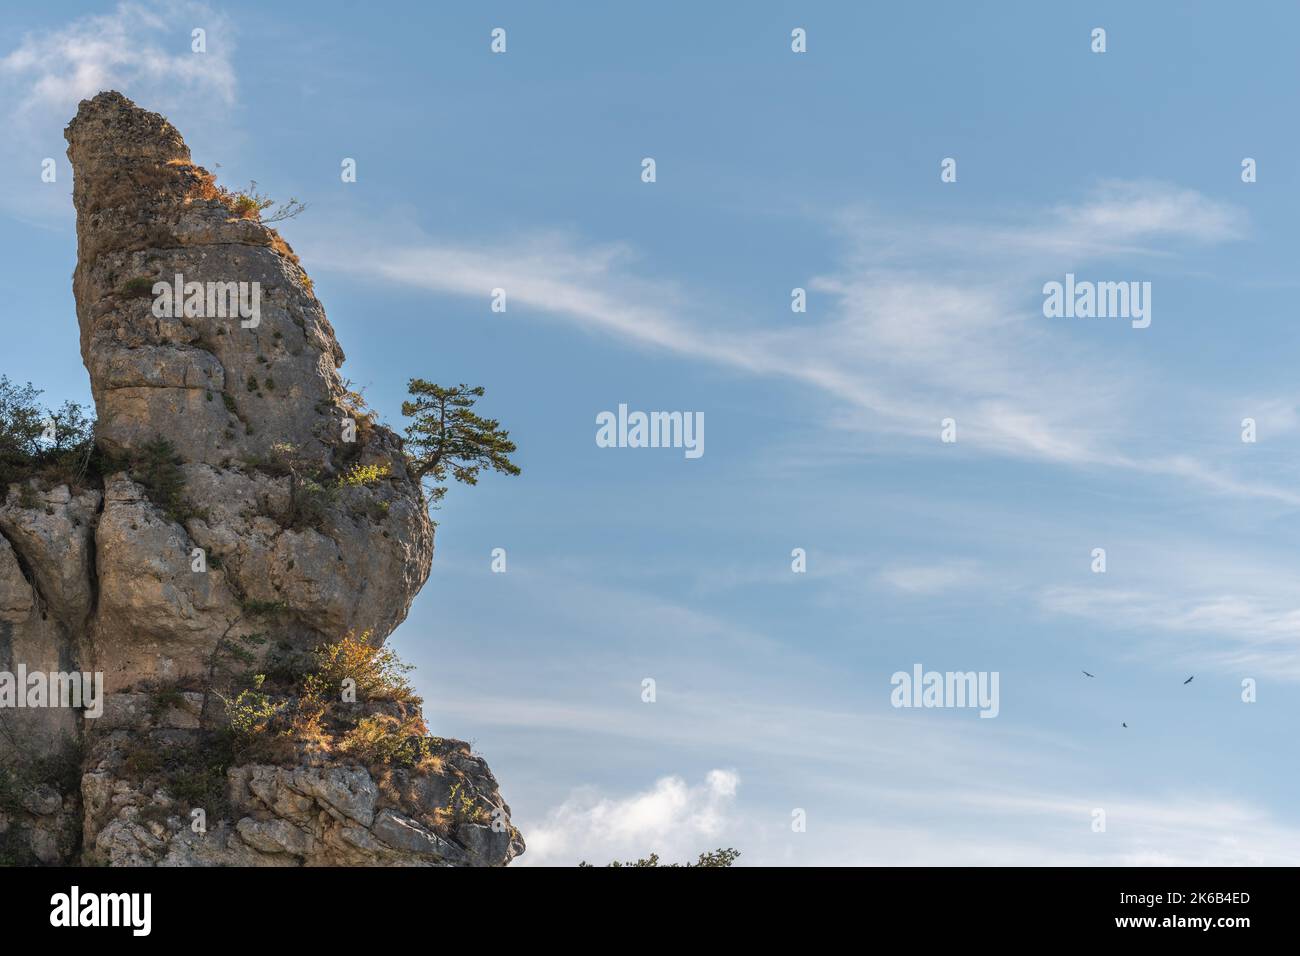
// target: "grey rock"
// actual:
[[485, 846], [15, 591], [55, 542], [43, 800], [347, 792], [105, 581], [274, 836], [402, 833]]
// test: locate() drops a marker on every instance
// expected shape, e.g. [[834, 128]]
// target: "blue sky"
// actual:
[[778, 170]]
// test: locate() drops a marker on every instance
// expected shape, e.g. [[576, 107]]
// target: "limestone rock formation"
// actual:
[[289, 551]]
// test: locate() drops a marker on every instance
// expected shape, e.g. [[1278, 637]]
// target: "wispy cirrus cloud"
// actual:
[[925, 321], [930, 578], [1135, 212], [1230, 605], [1238, 630], [987, 827], [141, 49]]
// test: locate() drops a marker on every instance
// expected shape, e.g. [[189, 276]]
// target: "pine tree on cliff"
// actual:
[[447, 438]]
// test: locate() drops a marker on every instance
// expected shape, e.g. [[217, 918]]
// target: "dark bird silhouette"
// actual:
[[1189, 680], [1123, 725], [1086, 674]]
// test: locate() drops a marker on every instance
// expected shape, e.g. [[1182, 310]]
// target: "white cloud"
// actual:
[[1227, 602], [881, 787], [876, 825], [1123, 212], [138, 48], [1179, 830], [1028, 828], [674, 819], [1273, 415], [1263, 630], [141, 49], [929, 578], [924, 322]]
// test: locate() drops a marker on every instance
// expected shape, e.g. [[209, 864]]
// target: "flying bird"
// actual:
[[1086, 674], [1123, 725], [1189, 680]]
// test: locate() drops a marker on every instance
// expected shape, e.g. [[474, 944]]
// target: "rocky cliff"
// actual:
[[288, 520]]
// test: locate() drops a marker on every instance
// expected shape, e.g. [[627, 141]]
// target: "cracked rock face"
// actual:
[[226, 397], [104, 579], [146, 213]]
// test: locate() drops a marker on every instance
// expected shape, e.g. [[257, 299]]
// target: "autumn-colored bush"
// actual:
[[377, 672]]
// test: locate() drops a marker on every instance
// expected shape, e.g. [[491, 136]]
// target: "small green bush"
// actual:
[[252, 711], [715, 858], [250, 204], [139, 286], [157, 467], [55, 444], [28, 497], [359, 476], [384, 739], [462, 808]]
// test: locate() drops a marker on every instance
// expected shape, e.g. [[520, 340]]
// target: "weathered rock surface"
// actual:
[[54, 537], [327, 815], [46, 593], [106, 579], [145, 212]]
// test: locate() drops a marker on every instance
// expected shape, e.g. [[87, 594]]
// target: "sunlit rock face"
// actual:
[[199, 326]]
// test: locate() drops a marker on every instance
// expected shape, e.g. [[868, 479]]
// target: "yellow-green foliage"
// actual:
[[317, 713], [359, 475], [378, 672], [716, 858], [252, 711], [462, 808], [244, 205], [382, 739]]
